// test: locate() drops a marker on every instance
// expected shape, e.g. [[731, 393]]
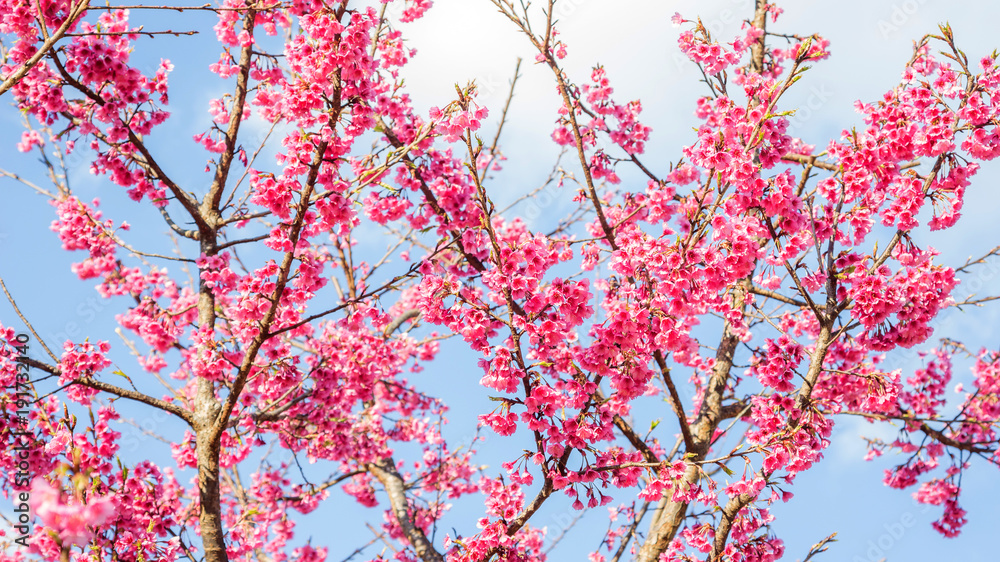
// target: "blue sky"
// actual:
[[461, 40]]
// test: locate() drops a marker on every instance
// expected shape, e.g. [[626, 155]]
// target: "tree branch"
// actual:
[[118, 391], [76, 10], [386, 473]]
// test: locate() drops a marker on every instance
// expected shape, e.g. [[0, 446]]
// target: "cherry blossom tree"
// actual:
[[751, 289]]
